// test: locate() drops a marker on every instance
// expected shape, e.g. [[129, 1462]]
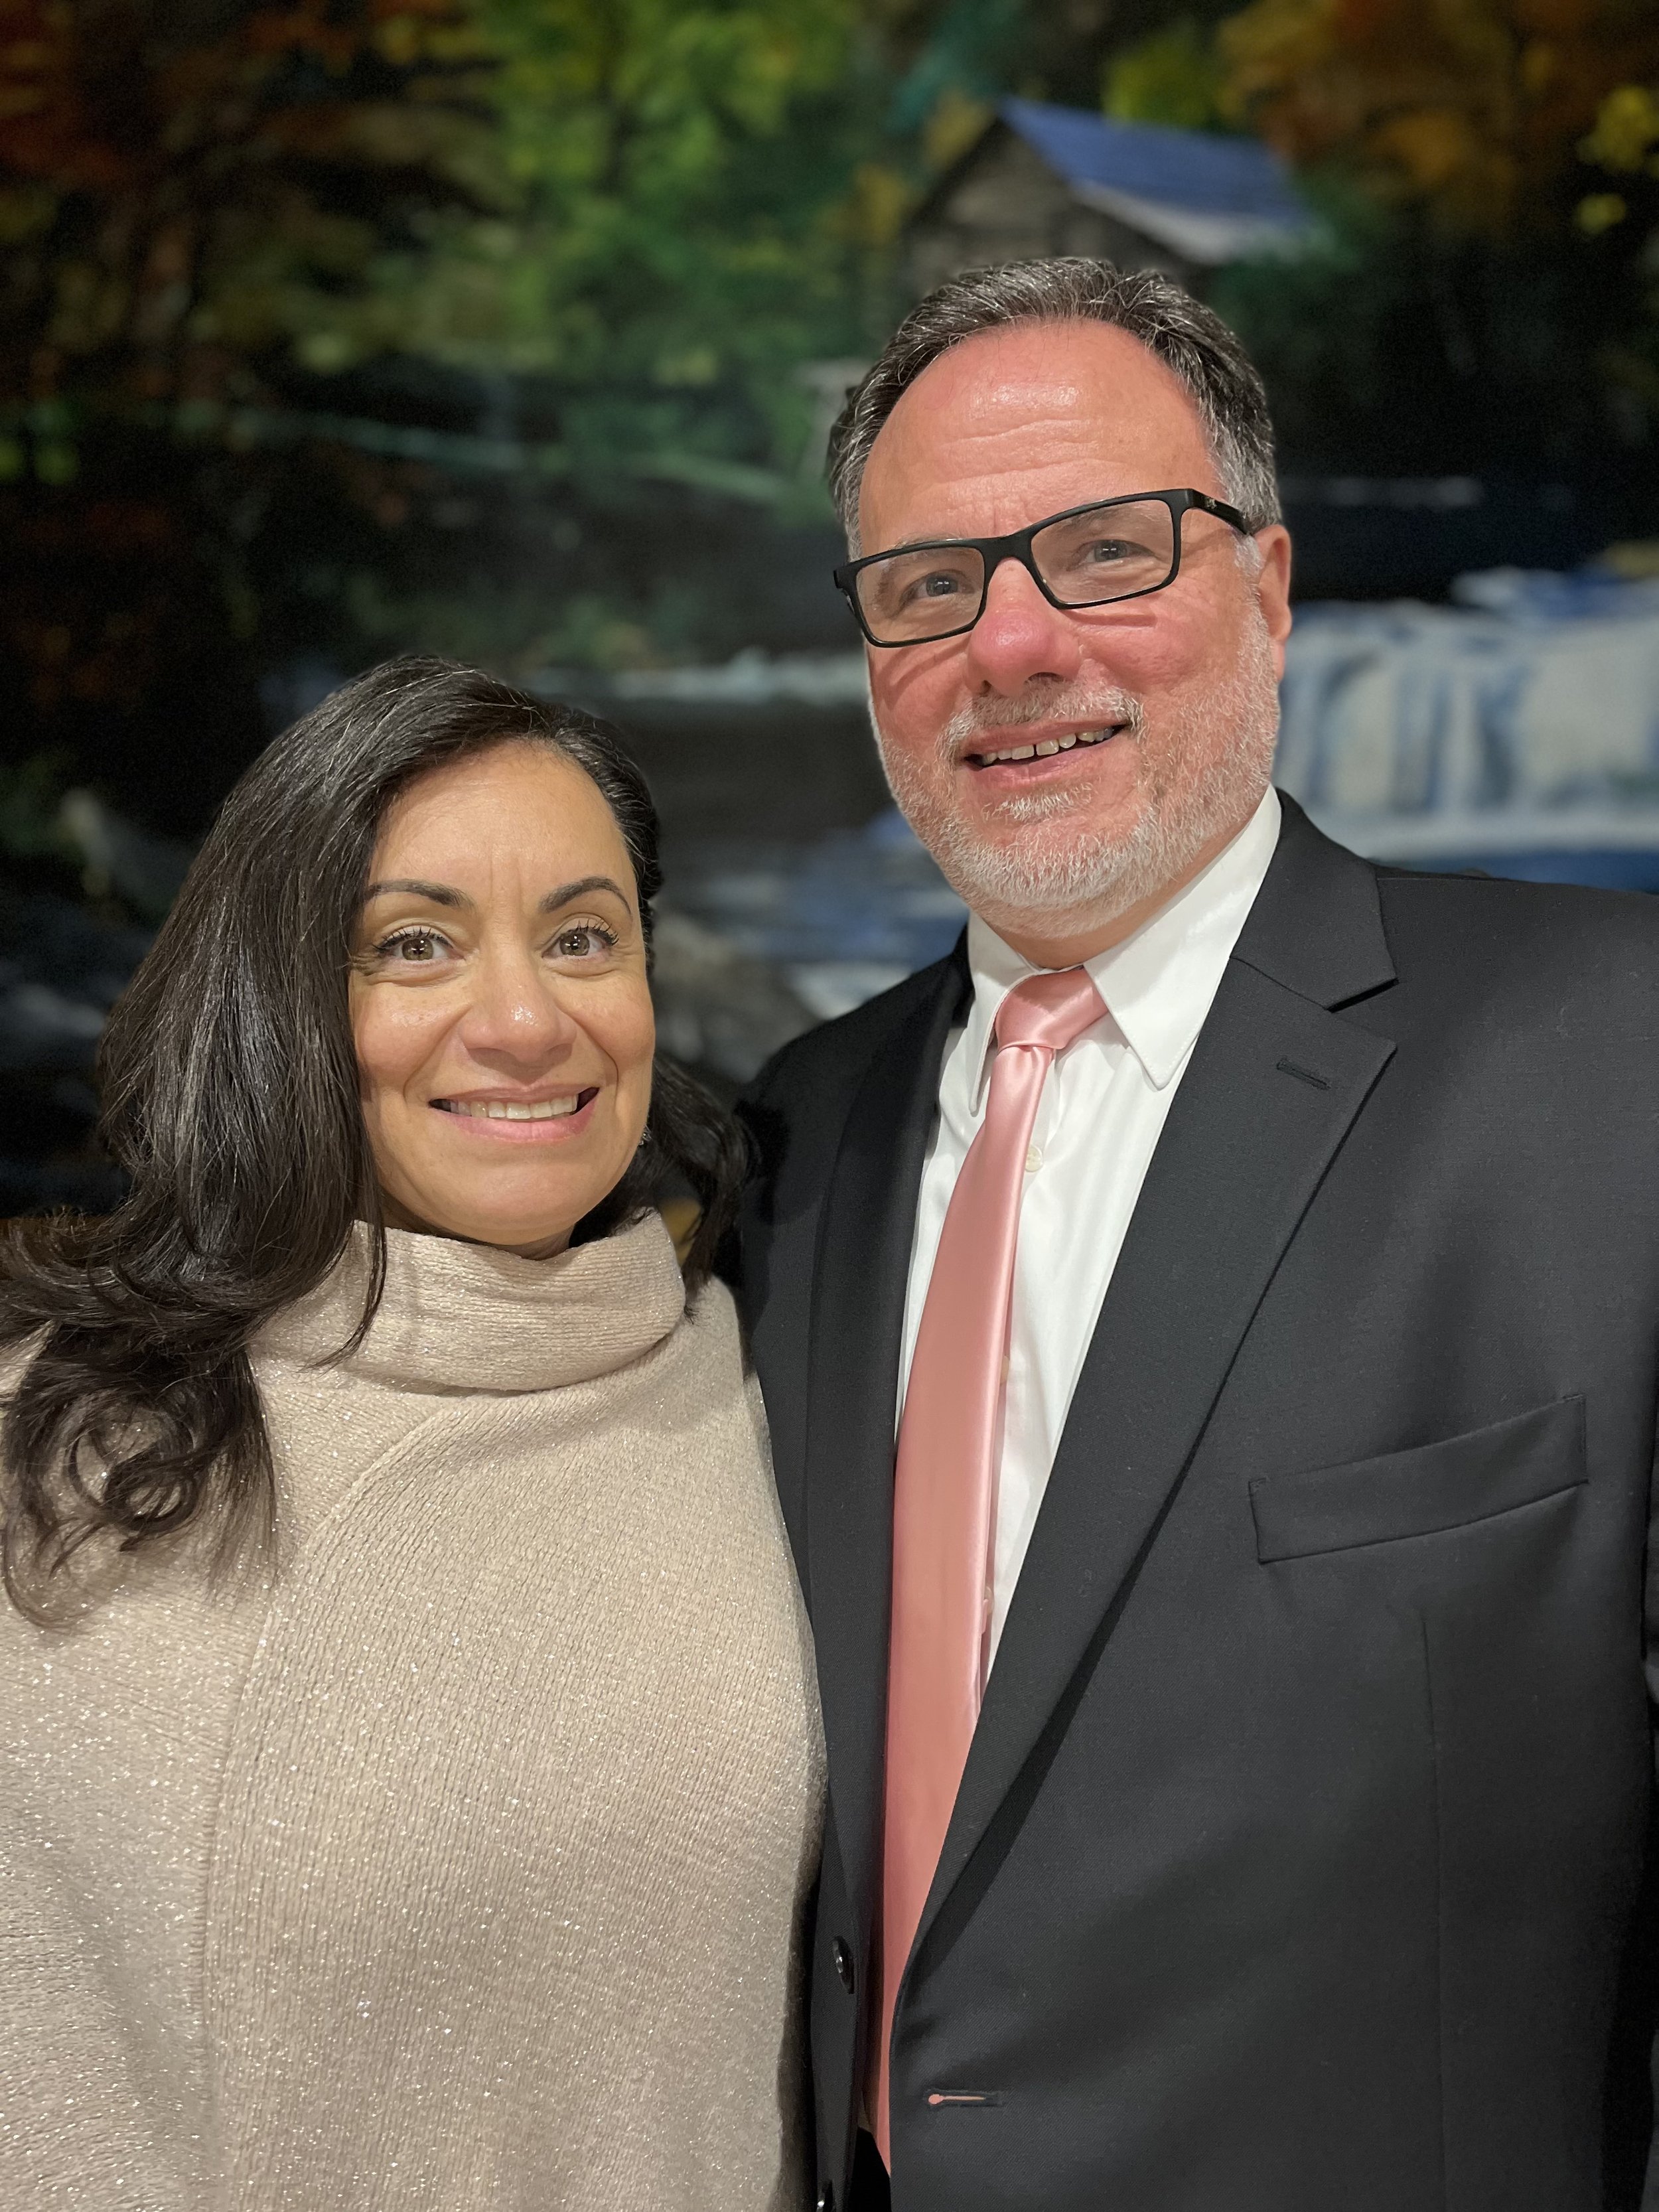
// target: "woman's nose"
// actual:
[[516, 1013]]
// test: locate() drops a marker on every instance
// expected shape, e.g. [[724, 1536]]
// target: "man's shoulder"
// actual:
[[1461, 925], [834, 1058], [797, 1107], [1498, 923], [1543, 974], [1473, 891]]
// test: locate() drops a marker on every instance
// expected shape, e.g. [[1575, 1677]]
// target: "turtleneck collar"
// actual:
[[466, 1317]]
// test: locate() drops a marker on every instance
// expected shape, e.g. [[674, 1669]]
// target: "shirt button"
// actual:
[[1034, 1159], [843, 1963]]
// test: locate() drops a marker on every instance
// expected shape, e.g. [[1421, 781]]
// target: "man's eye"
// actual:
[[1110, 549], [937, 584]]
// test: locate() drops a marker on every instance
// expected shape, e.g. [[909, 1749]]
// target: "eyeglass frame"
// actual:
[[1016, 544]]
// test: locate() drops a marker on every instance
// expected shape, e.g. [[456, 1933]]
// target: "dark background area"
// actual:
[[511, 329]]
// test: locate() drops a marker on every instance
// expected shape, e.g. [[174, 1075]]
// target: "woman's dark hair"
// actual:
[[230, 1093]]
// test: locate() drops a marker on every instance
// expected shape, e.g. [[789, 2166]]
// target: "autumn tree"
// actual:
[[1474, 108], [1452, 312], [189, 193], [199, 200]]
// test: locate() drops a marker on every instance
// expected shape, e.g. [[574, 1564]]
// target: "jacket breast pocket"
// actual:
[[1450, 1484]]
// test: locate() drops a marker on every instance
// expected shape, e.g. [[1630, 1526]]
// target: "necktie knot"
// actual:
[[1052, 1009]]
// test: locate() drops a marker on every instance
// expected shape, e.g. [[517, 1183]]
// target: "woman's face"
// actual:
[[499, 1002]]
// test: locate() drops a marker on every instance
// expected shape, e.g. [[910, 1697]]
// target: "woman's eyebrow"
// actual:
[[439, 894], [583, 884]]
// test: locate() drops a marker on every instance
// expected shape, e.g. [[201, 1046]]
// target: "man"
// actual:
[[1209, 1327]]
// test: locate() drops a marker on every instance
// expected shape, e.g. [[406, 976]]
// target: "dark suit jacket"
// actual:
[[1299, 1863]]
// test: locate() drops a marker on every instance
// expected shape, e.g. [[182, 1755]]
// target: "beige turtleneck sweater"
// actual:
[[460, 1860]]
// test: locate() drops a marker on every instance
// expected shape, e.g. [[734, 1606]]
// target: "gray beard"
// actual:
[[1094, 869]]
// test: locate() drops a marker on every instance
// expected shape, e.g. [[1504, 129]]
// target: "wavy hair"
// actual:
[[230, 1090]]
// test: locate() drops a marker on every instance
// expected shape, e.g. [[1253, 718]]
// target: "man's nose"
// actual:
[[1020, 635], [516, 1014]]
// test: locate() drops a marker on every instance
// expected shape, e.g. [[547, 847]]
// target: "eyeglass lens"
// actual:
[[1105, 553]]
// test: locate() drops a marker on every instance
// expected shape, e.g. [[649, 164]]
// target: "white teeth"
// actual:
[[1044, 747], [502, 1110]]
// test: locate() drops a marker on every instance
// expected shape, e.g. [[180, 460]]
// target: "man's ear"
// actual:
[[1273, 587]]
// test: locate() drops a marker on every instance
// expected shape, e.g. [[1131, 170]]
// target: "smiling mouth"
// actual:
[[1043, 748], [511, 1109]]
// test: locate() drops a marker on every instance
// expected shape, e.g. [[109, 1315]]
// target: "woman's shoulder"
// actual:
[[712, 1306], [713, 1332], [700, 1372]]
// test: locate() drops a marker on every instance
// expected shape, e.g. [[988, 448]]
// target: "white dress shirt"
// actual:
[[1098, 1125]]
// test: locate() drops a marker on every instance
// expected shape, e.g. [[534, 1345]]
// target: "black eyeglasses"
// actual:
[[1113, 549]]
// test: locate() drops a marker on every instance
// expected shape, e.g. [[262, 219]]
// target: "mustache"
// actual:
[[1094, 706]]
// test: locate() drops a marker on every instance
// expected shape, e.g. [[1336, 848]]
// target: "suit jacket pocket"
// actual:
[[1418, 1494]]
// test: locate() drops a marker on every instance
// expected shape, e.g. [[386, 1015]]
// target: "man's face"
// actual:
[[1003, 430]]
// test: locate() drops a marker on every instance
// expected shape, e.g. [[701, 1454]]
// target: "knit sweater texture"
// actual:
[[458, 1857]]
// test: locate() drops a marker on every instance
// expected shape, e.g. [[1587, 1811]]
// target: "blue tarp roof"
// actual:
[[1182, 168]]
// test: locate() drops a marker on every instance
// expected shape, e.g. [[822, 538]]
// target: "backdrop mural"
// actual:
[[512, 328]]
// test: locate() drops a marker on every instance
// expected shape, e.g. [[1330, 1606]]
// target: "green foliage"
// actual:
[[972, 49], [683, 233], [1172, 76]]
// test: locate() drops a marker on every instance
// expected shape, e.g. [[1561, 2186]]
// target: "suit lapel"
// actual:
[[857, 1324], [1275, 1083]]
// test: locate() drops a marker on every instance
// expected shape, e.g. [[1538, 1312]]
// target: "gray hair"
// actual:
[[1190, 339]]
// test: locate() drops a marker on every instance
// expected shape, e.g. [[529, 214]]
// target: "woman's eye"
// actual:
[[412, 948], [583, 940]]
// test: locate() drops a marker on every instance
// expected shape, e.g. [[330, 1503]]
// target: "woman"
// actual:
[[411, 1762]]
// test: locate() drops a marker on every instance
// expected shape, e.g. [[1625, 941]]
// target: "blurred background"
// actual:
[[512, 328]]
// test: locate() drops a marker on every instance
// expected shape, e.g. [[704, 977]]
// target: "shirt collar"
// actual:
[[1158, 984]]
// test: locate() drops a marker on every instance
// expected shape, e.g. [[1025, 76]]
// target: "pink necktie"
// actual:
[[945, 1486]]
